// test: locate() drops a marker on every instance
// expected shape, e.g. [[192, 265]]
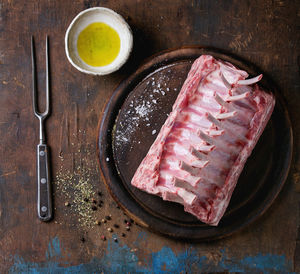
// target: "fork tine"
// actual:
[[34, 99], [47, 76]]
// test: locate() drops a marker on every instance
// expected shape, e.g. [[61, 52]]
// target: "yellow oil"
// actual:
[[98, 44]]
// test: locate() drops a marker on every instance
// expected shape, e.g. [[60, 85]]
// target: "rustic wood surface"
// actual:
[[264, 32]]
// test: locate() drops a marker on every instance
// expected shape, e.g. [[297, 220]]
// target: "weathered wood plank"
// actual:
[[263, 32]]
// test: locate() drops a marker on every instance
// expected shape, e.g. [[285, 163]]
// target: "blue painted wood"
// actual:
[[122, 259]]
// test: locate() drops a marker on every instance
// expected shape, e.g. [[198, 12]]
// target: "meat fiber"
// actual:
[[203, 145]]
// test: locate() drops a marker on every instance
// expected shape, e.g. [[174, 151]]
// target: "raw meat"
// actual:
[[203, 145]]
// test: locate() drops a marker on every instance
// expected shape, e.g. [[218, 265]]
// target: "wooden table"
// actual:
[[263, 32]]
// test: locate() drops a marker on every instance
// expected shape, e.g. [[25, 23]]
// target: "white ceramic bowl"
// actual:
[[87, 17]]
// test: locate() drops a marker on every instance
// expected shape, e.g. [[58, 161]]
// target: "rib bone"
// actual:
[[183, 184], [207, 138], [190, 169], [220, 125], [201, 156], [223, 103], [187, 196], [250, 81], [237, 97], [225, 115], [226, 83]]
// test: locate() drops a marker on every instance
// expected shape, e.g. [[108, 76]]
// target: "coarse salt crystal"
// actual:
[[153, 132]]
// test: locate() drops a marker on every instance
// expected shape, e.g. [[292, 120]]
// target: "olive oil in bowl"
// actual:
[[98, 44], [98, 41]]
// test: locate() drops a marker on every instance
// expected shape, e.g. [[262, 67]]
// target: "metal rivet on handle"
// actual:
[[42, 153], [43, 180], [44, 208]]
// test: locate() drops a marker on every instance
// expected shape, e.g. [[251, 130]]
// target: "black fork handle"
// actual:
[[44, 203]]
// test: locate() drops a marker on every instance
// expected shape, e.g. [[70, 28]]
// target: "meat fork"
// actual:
[[44, 200]]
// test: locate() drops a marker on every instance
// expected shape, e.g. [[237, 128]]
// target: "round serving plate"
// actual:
[[131, 121]]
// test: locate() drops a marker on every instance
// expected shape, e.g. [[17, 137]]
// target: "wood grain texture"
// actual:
[[264, 32]]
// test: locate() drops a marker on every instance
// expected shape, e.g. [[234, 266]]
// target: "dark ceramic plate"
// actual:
[[134, 116]]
